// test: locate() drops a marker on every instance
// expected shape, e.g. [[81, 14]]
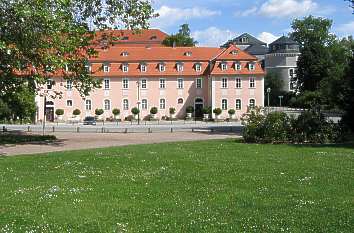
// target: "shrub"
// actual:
[[76, 112], [206, 110], [59, 112], [135, 111], [153, 110], [276, 127], [116, 111], [99, 111], [190, 109], [252, 121], [172, 110], [231, 112], [217, 111]]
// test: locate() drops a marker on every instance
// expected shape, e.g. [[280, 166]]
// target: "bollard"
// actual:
[[53, 129], [192, 129], [171, 130], [102, 130], [230, 129], [28, 128], [77, 129], [126, 130], [3, 129], [149, 130]]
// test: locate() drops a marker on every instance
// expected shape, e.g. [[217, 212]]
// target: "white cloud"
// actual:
[[267, 37], [170, 16], [213, 36], [247, 12], [347, 28]]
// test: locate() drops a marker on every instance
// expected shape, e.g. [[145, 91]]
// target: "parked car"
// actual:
[[89, 121]]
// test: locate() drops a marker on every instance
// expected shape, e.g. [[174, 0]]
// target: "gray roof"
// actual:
[[257, 49], [251, 40], [284, 40]]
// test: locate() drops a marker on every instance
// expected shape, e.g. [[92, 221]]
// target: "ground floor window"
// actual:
[[238, 104], [162, 103], [252, 103], [125, 104], [144, 104], [69, 103], [107, 105], [224, 104], [88, 105]]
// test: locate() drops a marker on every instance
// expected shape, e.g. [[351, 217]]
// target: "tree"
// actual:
[[273, 81], [181, 39], [39, 38], [351, 4]]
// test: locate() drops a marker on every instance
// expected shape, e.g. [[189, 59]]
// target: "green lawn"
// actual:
[[209, 186]]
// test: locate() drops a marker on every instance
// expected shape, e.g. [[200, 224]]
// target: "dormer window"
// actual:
[[224, 66], [188, 53], [251, 66], [143, 68], [125, 68], [88, 67], [237, 66], [198, 67], [179, 67], [153, 37], [162, 67], [105, 68], [234, 52], [125, 54], [244, 39]]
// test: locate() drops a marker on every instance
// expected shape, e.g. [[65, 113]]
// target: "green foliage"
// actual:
[[99, 111], [189, 109], [252, 121], [8, 138], [135, 111], [217, 111], [76, 112], [181, 39], [153, 110], [116, 111], [206, 110], [59, 112], [276, 127], [172, 110], [231, 112], [348, 93], [273, 81], [5, 111]]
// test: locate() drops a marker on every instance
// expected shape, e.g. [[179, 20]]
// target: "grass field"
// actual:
[[209, 186]]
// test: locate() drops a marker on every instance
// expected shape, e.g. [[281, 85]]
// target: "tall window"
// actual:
[[224, 83], [198, 67], [125, 67], [252, 83], [224, 104], [252, 103], [223, 66], [143, 84], [162, 83], [238, 83], [69, 85], [179, 67], [162, 103], [144, 104], [106, 84], [238, 66], [162, 67], [238, 104], [105, 68], [88, 105], [143, 68], [125, 83], [69, 103], [251, 66], [180, 83], [199, 83], [292, 79], [125, 104], [107, 105]]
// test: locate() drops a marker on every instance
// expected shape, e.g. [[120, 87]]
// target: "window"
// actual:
[[238, 66], [244, 39], [223, 66], [125, 68], [179, 67], [105, 68], [144, 104], [162, 67], [292, 80], [180, 83], [107, 105], [162, 83], [198, 67], [125, 54], [180, 101], [162, 103], [88, 67], [252, 103], [49, 84], [69, 103], [106, 84], [224, 104], [88, 105], [238, 104], [199, 83], [125, 83], [252, 83], [251, 66], [143, 68], [224, 83], [238, 83], [234, 52], [188, 54], [143, 84], [125, 104], [69, 85]]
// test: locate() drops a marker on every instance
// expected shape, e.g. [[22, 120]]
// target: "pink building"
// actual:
[[164, 77]]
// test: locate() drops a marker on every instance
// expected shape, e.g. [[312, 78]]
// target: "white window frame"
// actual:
[[88, 105], [198, 67], [72, 103], [249, 103], [238, 66], [49, 84], [105, 82], [292, 84], [224, 104], [125, 68], [125, 104], [223, 66], [69, 85], [143, 83], [180, 83], [125, 83], [143, 67], [162, 67], [105, 106], [144, 104], [240, 105], [162, 103], [106, 68], [251, 66], [162, 83], [252, 83], [199, 83], [224, 85], [238, 83], [179, 67]]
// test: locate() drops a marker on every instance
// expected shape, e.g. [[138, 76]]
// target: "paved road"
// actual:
[[76, 141]]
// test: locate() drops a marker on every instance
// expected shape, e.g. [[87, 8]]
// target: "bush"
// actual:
[[172, 110], [153, 110], [276, 127], [116, 111], [59, 112], [206, 110], [76, 112], [217, 111], [231, 112], [252, 120], [135, 111], [189, 109], [99, 111]]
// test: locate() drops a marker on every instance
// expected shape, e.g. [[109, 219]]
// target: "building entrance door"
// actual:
[[198, 108]]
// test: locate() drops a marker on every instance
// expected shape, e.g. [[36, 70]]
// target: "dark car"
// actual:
[[89, 121]]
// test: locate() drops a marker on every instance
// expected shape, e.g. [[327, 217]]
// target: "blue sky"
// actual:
[[213, 22]]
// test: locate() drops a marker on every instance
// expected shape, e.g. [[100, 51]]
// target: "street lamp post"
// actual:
[[138, 86], [268, 92], [280, 98], [44, 113]]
